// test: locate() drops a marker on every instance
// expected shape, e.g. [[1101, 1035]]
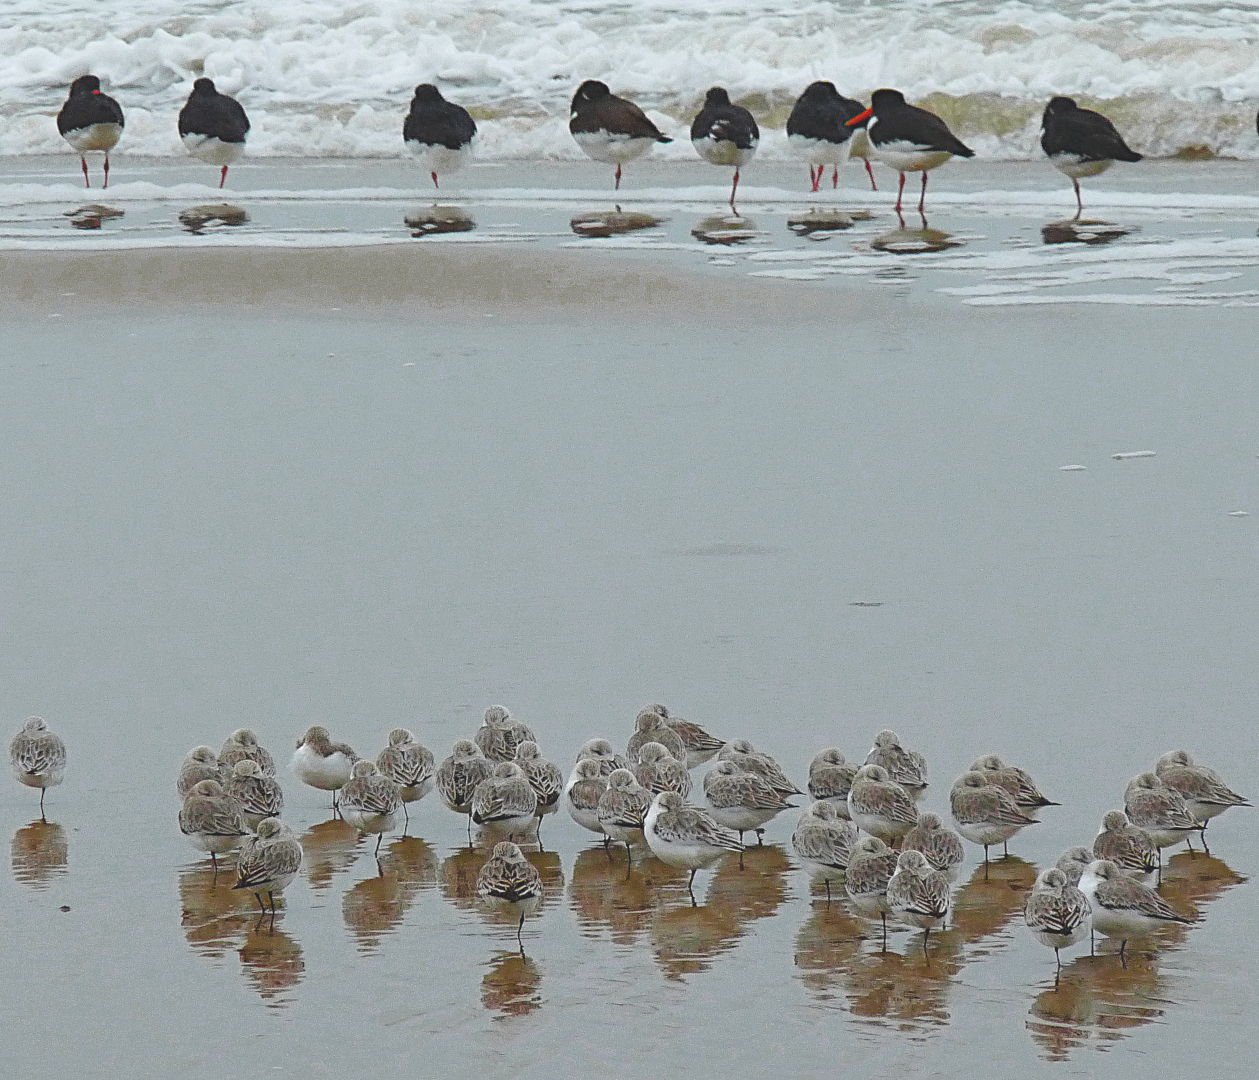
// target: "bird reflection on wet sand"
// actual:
[[1077, 231], [213, 915], [725, 229], [330, 849], [605, 897], [838, 956], [511, 986], [272, 963], [376, 905], [459, 871], [40, 853], [1097, 1001], [686, 939], [909, 241]]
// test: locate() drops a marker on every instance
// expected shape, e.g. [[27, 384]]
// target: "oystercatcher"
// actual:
[[438, 132], [609, 128], [817, 129], [725, 134], [907, 138], [90, 120], [213, 126], [1080, 142]]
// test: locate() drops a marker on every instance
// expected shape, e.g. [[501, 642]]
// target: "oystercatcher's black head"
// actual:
[[716, 96], [591, 90], [886, 99], [820, 91], [1059, 105], [204, 86], [85, 84], [427, 92]]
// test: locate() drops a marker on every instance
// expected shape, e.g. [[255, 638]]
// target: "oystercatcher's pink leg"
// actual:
[[434, 176], [899, 193], [1079, 203], [733, 188], [86, 179], [812, 181], [223, 178], [835, 178], [816, 178], [923, 197], [617, 185], [870, 173], [106, 168]]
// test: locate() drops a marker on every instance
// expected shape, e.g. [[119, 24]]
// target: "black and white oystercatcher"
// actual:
[[213, 126], [609, 128], [438, 132], [907, 138], [1080, 142], [725, 134], [90, 121], [818, 130]]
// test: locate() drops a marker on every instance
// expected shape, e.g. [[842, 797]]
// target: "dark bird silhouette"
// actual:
[[1080, 142], [908, 139], [438, 132], [725, 134], [90, 121], [818, 129], [610, 128], [213, 126]]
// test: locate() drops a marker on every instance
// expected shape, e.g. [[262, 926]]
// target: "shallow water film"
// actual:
[[1028, 533]]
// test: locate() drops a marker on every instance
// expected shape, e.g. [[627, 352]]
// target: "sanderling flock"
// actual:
[[861, 836]]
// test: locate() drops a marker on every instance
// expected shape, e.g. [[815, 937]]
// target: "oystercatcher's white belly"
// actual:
[[433, 157], [613, 148], [860, 143], [820, 151], [94, 137], [213, 150], [1074, 167], [723, 152], [906, 157]]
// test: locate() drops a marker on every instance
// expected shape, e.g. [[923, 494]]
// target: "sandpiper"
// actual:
[[985, 813], [1123, 907], [823, 840], [510, 881], [1057, 913], [830, 778], [458, 778], [212, 820], [871, 864], [321, 763], [369, 801], [410, 766], [880, 807], [919, 895], [700, 746], [259, 795], [38, 758], [268, 862], [686, 836]]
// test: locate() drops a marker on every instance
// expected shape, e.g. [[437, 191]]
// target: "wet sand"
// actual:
[[398, 282], [848, 514]]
